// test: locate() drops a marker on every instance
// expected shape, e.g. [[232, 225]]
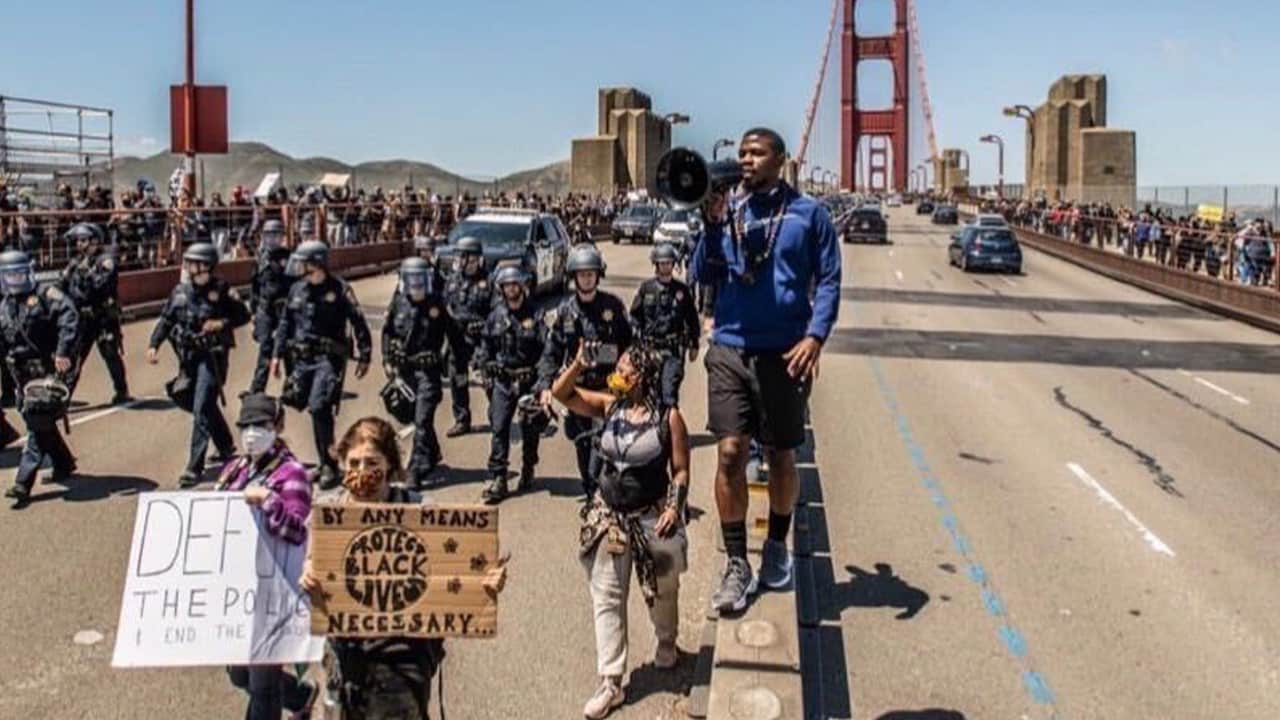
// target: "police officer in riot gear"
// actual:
[[90, 280], [425, 248], [470, 300], [595, 316], [417, 325], [268, 290], [665, 318], [512, 344], [199, 321], [313, 334], [40, 327]]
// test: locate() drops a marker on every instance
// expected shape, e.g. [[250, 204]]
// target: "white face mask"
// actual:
[[257, 440]]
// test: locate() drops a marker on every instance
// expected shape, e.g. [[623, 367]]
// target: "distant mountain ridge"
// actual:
[[247, 162]]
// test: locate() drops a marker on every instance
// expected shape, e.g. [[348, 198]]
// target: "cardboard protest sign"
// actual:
[[207, 585], [404, 570]]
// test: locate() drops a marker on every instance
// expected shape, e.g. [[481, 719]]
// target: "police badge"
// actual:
[[213, 296], [607, 315], [330, 296], [433, 313], [527, 324], [679, 295]]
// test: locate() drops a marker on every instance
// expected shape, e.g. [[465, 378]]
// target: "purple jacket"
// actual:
[[287, 508]]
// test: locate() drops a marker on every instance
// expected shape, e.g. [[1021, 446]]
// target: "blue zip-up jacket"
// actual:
[[796, 292]]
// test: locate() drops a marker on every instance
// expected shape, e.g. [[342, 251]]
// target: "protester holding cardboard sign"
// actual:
[[636, 516], [273, 481], [379, 676]]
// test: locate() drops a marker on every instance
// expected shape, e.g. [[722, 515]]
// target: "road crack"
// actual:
[[1163, 480]]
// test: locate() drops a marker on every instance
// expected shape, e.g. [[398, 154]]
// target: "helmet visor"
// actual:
[[296, 267], [17, 280], [414, 282]]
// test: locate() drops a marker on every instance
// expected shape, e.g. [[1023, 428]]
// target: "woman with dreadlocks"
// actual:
[[636, 517]]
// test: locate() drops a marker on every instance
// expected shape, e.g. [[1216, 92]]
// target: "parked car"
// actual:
[[865, 224], [945, 215], [636, 223], [974, 247], [894, 200], [925, 207], [535, 241]]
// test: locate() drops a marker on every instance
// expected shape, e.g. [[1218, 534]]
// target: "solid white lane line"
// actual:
[[1156, 543], [1216, 388], [1221, 391], [898, 274], [112, 410]]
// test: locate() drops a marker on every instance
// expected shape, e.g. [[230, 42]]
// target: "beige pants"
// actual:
[[610, 583]]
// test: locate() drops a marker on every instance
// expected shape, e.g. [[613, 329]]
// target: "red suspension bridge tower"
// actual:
[[886, 130]]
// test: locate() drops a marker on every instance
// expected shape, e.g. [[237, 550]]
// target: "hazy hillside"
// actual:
[[247, 162]]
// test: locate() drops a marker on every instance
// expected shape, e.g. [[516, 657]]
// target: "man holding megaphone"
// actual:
[[774, 256]]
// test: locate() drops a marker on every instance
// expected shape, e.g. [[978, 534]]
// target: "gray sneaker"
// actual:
[[735, 587], [775, 565]]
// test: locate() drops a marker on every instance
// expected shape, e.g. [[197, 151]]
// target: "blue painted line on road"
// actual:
[[1012, 639]]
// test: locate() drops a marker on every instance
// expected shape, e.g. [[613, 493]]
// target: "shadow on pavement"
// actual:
[[1032, 304], [88, 488], [881, 589], [1055, 349], [648, 679], [930, 714]]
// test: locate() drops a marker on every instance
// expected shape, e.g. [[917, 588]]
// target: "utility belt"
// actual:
[[513, 375], [667, 343], [189, 342], [318, 347], [473, 329], [425, 360]]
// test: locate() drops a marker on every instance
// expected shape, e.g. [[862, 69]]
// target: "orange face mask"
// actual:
[[363, 483]]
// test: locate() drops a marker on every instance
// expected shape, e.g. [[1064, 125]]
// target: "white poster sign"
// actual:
[[208, 585], [268, 185]]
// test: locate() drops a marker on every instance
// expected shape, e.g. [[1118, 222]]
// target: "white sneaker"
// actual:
[[608, 696]]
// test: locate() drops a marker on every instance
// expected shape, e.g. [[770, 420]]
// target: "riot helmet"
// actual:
[[272, 234], [414, 277], [17, 276], [84, 235], [311, 252]]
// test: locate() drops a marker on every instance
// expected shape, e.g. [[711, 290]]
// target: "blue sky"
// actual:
[[489, 87]]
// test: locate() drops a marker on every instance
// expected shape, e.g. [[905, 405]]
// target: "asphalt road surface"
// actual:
[[1049, 495]]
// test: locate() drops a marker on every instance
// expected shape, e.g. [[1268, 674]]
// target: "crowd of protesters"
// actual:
[[1232, 249], [147, 231]]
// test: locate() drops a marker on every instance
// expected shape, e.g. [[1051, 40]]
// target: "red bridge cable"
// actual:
[[914, 30], [817, 90]]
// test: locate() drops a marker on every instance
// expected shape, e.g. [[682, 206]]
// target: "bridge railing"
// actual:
[[1253, 303], [1196, 246], [147, 238]]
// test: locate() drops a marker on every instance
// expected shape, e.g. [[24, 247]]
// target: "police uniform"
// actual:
[[313, 333], [509, 352], [268, 290], [413, 338], [38, 327], [603, 320], [470, 300], [202, 358], [91, 283], [666, 319]]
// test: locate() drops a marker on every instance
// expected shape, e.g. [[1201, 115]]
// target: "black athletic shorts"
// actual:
[[750, 393]]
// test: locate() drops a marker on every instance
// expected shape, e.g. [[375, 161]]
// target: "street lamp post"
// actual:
[[721, 143], [812, 170], [1029, 116], [999, 142]]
